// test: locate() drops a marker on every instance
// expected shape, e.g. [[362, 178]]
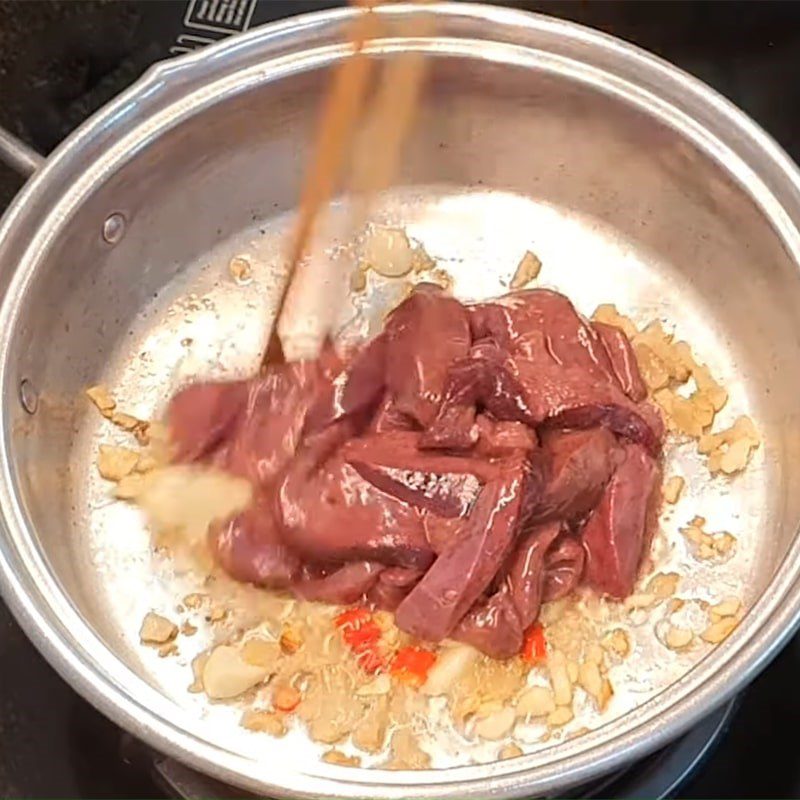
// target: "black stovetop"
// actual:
[[60, 60]]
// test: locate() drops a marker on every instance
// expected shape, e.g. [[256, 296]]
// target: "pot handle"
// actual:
[[18, 155]]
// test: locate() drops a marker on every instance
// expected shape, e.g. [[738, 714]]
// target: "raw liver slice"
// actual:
[[462, 468], [465, 570], [424, 335], [623, 360], [614, 534], [578, 465]]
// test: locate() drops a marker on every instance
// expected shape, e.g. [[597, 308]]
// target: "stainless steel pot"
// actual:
[[634, 183]]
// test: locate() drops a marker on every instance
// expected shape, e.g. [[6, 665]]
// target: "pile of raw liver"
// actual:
[[464, 466]]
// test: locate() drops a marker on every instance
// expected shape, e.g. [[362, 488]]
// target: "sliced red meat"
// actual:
[[563, 568], [501, 439], [201, 415], [268, 431], [424, 335], [444, 484], [542, 326], [497, 625], [343, 585], [356, 388], [443, 470], [389, 418], [401, 449], [250, 548], [615, 533], [487, 377], [465, 570], [525, 572], [393, 584], [492, 626], [578, 465], [623, 360], [539, 393], [563, 397], [447, 494], [453, 428], [441, 532], [330, 513]]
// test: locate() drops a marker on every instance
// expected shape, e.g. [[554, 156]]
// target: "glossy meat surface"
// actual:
[[463, 467], [615, 532]]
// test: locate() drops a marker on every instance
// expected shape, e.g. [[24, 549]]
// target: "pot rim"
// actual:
[[169, 93]]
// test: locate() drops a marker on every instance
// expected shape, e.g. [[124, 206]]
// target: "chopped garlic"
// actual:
[[286, 697], [337, 757], [678, 638], [114, 463], [672, 489], [442, 278], [421, 260], [594, 653], [102, 399], [198, 662], [538, 701], [290, 640], [641, 600], [618, 642], [608, 314], [261, 653], [452, 663], [663, 585], [675, 604], [719, 630], [146, 463], [687, 415], [653, 370], [168, 649], [125, 421], [527, 270], [606, 693], [708, 387], [226, 674], [240, 269], [264, 722], [130, 487], [194, 600], [388, 252], [590, 679], [561, 716], [572, 671], [735, 458], [559, 678], [510, 750], [708, 546], [497, 725], [142, 433], [730, 450], [729, 607], [157, 629]]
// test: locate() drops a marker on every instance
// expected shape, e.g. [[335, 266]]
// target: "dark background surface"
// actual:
[[60, 61]]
